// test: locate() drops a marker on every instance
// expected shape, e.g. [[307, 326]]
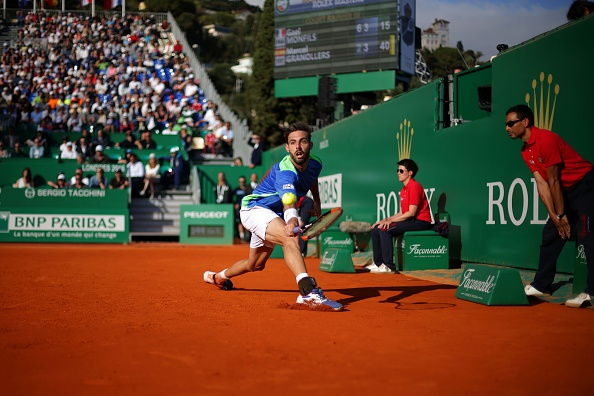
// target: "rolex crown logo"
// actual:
[[543, 116], [404, 138]]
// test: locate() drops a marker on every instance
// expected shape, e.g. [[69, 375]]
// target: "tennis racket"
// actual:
[[319, 225]]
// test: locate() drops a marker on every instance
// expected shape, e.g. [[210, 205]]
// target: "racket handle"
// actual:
[[297, 230]]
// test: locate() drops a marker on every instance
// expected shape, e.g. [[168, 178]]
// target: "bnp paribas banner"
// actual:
[[63, 215]]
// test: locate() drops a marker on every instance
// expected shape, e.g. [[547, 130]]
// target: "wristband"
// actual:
[[290, 213], [560, 216]]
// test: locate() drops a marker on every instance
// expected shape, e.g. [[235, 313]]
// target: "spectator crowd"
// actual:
[[100, 75], [76, 80]]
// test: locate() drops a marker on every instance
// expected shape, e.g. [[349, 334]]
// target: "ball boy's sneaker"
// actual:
[[317, 297], [223, 284], [583, 299], [371, 267], [383, 269], [533, 291]]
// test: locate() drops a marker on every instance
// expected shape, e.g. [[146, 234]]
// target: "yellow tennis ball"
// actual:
[[289, 198]]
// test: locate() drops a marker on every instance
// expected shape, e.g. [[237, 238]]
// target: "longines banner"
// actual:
[[48, 215]]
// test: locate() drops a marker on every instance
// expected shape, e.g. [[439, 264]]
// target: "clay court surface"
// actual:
[[138, 319]]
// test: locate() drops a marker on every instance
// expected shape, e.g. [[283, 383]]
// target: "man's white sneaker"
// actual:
[[583, 299], [212, 278], [371, 267], [316, 298], [383, 269], [532, 291]]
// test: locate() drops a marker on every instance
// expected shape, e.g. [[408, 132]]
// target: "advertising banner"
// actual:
[[64, 215], [207, 224]]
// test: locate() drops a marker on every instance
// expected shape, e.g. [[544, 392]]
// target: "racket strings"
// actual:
[[322, 223]]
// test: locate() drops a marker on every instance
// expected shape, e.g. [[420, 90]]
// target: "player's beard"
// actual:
[[302, 160]]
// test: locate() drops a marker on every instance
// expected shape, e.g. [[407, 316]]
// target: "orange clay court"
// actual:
[[138, 319]]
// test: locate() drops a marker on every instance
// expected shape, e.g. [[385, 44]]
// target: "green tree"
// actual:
[[270, 115], [264, 119]]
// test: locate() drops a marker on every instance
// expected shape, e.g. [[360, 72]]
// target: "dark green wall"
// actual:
[[470, 167]]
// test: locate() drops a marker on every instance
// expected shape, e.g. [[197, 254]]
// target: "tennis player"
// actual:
[[270, 214]]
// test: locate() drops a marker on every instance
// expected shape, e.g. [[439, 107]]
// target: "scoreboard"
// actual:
[[322, 37]]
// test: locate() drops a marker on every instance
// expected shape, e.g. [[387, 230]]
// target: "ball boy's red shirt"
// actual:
[[413, 194], [546, 148]]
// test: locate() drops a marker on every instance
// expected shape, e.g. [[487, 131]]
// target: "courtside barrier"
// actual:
[[207, 224], [64, 215], [337, 260], [491, 285], [580, 271]]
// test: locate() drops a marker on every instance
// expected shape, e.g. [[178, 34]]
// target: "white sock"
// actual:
[[301, 276], [222, 274]]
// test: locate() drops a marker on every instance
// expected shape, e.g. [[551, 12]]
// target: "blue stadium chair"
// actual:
[[32, 96], [101, 98], [159, 63], [178, 95], [140, 77], [169, 72]]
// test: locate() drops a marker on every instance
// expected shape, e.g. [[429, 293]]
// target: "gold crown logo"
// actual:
[[543, 117], [404, 138]]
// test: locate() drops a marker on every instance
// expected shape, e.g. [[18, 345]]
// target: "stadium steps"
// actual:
[[158, 218], [210, 159], [9, 34]]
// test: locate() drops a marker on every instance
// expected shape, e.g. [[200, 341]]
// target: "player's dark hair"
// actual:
[[522, 112], [578, 9], [297, 126], [410, 165]]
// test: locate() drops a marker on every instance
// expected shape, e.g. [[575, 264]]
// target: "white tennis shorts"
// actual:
[[256, 221]]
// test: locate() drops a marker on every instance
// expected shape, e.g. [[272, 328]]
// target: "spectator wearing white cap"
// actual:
[[60, 181], [68, 152], [99, 157]]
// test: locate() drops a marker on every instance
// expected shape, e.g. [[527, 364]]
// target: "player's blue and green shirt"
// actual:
[[283, 178]]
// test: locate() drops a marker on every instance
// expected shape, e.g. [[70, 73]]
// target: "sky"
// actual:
[[482, 24]]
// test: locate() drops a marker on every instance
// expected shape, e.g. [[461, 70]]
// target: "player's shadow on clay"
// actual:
[[363, 293]]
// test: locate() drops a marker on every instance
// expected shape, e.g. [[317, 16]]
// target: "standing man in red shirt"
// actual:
[[565, 183], [414, 215]]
